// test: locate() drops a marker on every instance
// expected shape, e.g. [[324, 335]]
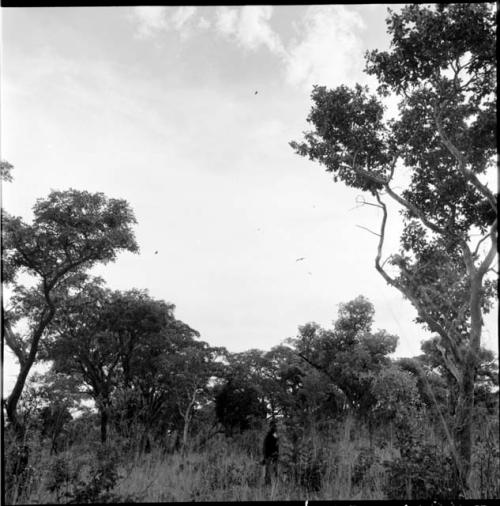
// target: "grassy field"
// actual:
[[337, 465]]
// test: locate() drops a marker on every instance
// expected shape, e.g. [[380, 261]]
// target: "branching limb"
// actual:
[[369, 175], [14, 342], [459, 157], [379, 267], [414, 209], [450, 365], [432, 226], [490, 256], [480, 242], [317, 367], [434, 325], [403, 202], [360, 199]]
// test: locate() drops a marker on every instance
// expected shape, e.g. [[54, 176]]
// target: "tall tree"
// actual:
[[442, 66], [71, 231], [99, 335], [146, 396], [237, 404], [350, 355]]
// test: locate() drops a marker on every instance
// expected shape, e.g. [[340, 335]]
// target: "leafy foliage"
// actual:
[[425, 473], [5, 170], [349, 355], [71, 231], [441, 65], [236, 405]]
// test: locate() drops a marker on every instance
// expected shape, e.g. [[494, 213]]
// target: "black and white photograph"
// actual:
[[249, 253]]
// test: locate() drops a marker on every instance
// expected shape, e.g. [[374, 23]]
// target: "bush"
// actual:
[[21, 460], [102, 479], [301, 462], [486, 469], [423, 473], [61, 475], [88, 479], [364, 462]]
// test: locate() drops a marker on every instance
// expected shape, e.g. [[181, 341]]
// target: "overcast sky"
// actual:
[[157, 105]]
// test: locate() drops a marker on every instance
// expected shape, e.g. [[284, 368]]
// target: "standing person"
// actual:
[[271, 453]]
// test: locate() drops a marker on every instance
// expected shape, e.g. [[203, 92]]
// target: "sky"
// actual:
[[187, 113]]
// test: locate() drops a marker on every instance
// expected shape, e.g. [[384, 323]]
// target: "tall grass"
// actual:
[[229, 469]]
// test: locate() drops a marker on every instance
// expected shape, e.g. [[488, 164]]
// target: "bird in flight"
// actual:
[[299, 259]]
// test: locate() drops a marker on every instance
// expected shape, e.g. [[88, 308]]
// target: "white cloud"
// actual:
[[329, 49], [249, 26], [226, 19], [150, 20], [182, 15], [204, 23]]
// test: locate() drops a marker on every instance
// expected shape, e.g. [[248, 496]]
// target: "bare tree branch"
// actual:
[[368, 230]]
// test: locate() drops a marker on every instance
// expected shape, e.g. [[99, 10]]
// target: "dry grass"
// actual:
[[229, 470], [225, 470]]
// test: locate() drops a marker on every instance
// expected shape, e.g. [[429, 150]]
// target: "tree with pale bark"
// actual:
[[433, 161], [190, 372]]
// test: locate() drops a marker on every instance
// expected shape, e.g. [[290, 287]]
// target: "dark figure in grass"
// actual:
[[271, 453]]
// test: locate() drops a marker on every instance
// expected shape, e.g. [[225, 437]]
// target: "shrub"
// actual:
[[422, 473], [301, 462], [21, 462], [61, 475], [364, 461], [102, 479], [486, 469]]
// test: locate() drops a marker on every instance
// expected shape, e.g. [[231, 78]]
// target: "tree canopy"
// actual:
[[71, 231], [441, 65]]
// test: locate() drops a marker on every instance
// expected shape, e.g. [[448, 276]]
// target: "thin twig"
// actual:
[[368, 230]]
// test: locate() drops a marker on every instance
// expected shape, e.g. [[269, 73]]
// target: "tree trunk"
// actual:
[[103, 403], [187, 415], [462, 430], [25, 367], [465, 405], [12, 401], [185, 431], [104, 424]]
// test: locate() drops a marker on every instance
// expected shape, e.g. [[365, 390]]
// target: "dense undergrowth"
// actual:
[[334, 461]]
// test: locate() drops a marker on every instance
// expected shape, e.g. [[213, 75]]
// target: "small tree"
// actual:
[[71, 231], [442, 65], [190, 371]]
